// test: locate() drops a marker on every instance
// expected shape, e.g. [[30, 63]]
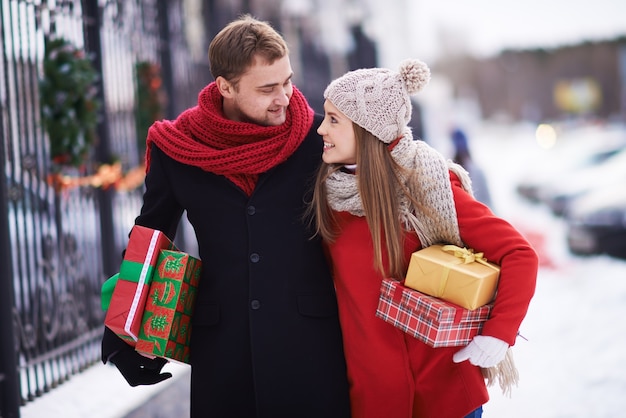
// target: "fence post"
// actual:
[[9, 379], [92, 24], [167, 74]]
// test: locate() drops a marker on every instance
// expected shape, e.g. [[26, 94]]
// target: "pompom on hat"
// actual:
[[378, 99]]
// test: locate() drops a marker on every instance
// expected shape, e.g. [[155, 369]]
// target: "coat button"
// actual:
[[254, 257], [255, 304], [251, 210]]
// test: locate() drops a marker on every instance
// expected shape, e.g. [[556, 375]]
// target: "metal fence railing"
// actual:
[[63, 226]]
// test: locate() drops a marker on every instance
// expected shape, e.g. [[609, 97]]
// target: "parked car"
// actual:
[[561, 193], [574, 151], [596, 223]]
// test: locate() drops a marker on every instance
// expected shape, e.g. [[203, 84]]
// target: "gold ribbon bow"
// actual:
[[467, 255]]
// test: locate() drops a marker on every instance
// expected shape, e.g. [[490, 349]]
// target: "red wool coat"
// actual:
[[393, 375]]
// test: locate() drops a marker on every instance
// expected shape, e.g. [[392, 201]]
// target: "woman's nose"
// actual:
[[320, 129]]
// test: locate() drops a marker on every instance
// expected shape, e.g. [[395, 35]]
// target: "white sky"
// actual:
[[486, 26]]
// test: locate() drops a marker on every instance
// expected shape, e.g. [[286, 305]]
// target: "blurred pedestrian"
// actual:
[[463, 157], [380, 196], [266, 340]]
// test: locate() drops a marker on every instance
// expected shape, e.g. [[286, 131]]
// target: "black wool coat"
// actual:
[[265, 337]]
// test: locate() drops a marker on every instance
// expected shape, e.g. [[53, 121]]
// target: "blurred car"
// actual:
[[574, 151], [596, 223], [561, 193]]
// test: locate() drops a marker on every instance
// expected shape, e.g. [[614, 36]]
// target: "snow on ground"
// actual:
[[572, 366], [99, 392], [574, 362]]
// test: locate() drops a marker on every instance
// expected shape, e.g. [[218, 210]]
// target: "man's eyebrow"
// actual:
[[274, 84]]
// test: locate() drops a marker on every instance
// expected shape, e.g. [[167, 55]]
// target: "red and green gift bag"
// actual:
[[130, 291], [165, 329]]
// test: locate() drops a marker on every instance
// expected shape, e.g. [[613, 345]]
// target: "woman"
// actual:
[[379, 196]]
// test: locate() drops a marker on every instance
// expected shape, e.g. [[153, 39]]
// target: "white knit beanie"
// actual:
[[378, 99]]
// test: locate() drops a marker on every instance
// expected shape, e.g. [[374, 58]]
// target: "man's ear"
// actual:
[[224, 86]]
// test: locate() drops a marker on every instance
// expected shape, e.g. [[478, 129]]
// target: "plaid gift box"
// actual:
[[166, 327], [430, 320], [132, 284], [454, 274]]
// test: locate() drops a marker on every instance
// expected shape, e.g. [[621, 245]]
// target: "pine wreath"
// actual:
[[69, 102], [150, 99]]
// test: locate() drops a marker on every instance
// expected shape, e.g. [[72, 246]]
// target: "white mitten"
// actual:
[[483, 351]]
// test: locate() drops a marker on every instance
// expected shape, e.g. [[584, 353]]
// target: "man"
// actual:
[[265, 340]]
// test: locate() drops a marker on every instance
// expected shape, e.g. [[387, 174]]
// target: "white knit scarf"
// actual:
[[437, 224]]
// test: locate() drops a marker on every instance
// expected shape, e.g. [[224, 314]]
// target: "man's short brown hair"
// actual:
[[234, 48]]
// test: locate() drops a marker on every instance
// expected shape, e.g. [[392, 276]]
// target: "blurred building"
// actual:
[[326, 38], [586, 80]]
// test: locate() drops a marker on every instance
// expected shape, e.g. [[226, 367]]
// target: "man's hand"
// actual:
[[138, 369]]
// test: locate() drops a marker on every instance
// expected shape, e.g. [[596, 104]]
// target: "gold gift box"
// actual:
[[454, 274]]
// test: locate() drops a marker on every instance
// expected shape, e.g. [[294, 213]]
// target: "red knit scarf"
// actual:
[[202, 137]]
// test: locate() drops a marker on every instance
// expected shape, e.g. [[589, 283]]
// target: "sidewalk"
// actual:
[[102, 392], [171, 402]]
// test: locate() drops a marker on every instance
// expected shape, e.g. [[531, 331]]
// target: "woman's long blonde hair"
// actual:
[[379, 179]]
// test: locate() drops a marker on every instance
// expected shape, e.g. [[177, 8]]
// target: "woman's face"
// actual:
[[338, 134]]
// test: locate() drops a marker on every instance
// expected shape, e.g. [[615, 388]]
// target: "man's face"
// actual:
[[262, 94]]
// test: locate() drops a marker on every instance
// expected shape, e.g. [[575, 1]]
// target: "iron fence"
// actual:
[[63, 228]]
